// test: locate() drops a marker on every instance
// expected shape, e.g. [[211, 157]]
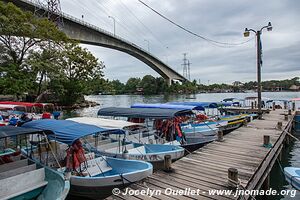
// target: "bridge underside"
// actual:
[[88, 34]]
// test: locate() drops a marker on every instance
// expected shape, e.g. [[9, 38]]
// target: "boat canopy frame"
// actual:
[[149, 113]]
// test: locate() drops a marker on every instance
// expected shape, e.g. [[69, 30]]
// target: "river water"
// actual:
[[291, 154]]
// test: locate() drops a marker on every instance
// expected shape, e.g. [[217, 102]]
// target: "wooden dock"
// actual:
[[207, 168]]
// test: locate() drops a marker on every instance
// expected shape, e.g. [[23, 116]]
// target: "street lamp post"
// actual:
[[148, 44], [114, 24], [259, 51]]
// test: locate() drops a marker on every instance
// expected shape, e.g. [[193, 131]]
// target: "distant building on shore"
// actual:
[[294, 88]]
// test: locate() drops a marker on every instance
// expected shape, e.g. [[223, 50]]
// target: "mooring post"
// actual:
[[279, 125], [255, 104], [286, 117], [266, 141], [280, 154], [294, 106], [285, 105], [266, 183], [167, 163], [287, 140], [220, 136], [290, 112], [233, 178], [245, 122], [252, 105], [273, 106]]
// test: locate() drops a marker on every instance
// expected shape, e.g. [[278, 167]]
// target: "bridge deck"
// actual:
[[207, 168]]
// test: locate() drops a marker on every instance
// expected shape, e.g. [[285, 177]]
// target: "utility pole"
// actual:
[[259, 61]]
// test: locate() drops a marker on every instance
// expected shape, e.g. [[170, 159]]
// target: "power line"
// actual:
[[191, 32], [148, 29]]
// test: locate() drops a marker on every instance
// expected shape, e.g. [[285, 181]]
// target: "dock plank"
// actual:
[[207, 168]]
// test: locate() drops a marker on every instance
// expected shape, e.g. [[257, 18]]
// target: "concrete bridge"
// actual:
[[89, 34]]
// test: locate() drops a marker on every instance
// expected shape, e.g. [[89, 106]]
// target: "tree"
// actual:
[[77, 66], [20, 31], [132, 84], [149, 85], [43, 63], [21, 34]]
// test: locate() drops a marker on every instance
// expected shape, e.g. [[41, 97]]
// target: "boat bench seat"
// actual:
[[22, 183], [97, 166], [13, 165], [116, 149], [138, 150], [20, 170]]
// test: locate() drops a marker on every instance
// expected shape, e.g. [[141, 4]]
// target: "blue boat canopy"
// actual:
[[229, 99], [167, 106], [226, 103], [202, 104], [67, 131], [10, 131], [152, 113]]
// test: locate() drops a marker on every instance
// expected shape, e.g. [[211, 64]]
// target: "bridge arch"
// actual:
[[89, 34]]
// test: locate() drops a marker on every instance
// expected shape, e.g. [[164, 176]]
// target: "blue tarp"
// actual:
[[67, 131], [167, 106]]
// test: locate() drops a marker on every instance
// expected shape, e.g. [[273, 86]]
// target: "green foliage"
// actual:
[[32, 49], [21, 34], [76, 68], [132, 84], [149, 85]]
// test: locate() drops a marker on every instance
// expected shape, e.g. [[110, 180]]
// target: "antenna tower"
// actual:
[[186, 67], [50, 9]]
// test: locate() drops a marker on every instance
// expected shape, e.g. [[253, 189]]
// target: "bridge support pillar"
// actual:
[[169, 81]]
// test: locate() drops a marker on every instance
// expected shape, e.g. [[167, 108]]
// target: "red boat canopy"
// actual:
[[27, 104], [295, 99]]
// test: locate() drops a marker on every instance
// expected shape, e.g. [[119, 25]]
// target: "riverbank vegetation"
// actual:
[[149, 85]]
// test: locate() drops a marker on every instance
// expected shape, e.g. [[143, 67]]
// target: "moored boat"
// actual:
[[292, 176], [166, 123], [233, 122], [22, 177], [91, 175], [124, 148]]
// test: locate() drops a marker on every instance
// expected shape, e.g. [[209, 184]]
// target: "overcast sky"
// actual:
[[221, 20]]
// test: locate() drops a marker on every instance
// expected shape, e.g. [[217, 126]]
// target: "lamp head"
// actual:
[[269, 28], [246, 33]]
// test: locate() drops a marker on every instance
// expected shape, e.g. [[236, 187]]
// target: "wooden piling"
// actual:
[[233, 178], [294, 106], [285, 105], [266, 140], [286, 117], [220, 136], [252, 105], [279, 125], [266, 183], [255, 104], [167, 163]]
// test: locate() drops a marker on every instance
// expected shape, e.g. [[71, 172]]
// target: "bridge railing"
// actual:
[[79, 21]]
